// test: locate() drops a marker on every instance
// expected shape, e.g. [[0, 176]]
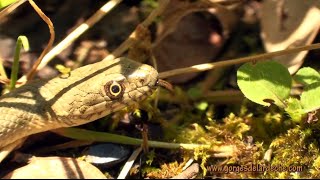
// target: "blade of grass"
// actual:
[[87, 135], [21, 41], [221, 151]]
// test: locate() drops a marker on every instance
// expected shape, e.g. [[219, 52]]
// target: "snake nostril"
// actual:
[[141, 81]]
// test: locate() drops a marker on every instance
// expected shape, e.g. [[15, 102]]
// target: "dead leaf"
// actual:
[[56, 168], [289, 23], [187, 38]]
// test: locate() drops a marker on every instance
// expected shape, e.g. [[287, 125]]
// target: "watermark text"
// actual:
[[253, 168]]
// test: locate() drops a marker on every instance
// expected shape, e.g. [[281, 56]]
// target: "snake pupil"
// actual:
[[115, 89]]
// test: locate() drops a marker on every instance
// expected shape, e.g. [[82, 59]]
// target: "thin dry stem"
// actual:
[[91, 21], [7, 10], [126, 168], [131, 40], [209, 66], [4, 80], [3, 73], [97, 16], [49, 45]]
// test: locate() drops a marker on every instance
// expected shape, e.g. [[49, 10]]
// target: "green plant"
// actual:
[[4, 3], [269, 83]]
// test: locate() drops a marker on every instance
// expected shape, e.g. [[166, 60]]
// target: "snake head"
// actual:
[[103, 88], [135, 82]]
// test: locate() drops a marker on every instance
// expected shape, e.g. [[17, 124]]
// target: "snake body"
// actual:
[[88, 93]]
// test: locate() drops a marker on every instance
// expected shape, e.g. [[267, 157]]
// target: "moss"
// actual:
[[258, 136], [296, 148]]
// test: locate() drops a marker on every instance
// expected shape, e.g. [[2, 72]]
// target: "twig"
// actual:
[[3, 73], [91, 21], [4, 80], [131, 40], [49, 45], [129, 163], [78, 32], [6, 11], [209, 66]]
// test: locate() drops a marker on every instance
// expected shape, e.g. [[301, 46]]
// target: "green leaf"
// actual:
[[4, 3], [294, 109], [310, 100], [307, 76], [265, 83], [202, 106]]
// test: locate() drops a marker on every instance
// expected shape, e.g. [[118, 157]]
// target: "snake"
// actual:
[[82, 96]]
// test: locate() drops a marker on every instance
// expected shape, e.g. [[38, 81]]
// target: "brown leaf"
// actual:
[[287, 24], [56, 168], [187, 38]]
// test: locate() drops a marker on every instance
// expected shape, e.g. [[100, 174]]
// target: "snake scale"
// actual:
[[87, 94]]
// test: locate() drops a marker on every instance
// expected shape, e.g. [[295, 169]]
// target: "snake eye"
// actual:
[[114, 89]]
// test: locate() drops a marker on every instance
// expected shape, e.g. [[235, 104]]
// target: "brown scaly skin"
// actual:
[[87, 94]]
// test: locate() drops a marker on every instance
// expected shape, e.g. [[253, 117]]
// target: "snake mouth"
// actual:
[[165, 84]]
